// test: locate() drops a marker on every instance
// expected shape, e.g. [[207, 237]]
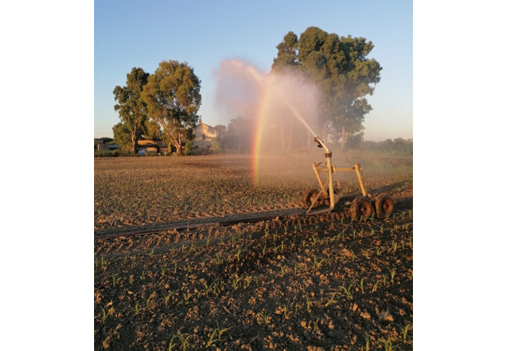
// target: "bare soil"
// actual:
[[293, 283]]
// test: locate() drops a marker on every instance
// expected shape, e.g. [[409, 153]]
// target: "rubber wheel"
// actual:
[[336, 191], [384, 205], [308, 197], [361, 207]]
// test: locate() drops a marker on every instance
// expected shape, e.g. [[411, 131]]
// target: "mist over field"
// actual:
[[281, 107]]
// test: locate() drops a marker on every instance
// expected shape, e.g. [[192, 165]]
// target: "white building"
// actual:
[[204, 135]]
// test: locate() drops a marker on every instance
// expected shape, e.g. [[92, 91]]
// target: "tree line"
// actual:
[[165, 104]]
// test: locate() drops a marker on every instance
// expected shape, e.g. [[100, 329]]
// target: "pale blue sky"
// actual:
[[131, 34]]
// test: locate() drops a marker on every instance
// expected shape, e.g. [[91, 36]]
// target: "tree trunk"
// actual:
[[133, 141], [343, 138]]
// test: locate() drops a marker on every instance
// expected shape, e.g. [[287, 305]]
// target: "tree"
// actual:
[[340, 69], [122, 136], [132, 109], [152, 129], [173, 98]]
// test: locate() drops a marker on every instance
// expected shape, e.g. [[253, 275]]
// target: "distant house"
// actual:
[[100, 145], [204, 135], [152, 146]]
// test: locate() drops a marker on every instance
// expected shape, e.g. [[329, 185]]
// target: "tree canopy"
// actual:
[[340, 68], [131, 108], [173, 98], [122, 136]]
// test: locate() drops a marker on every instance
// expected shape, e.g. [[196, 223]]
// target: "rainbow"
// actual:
[[260, 123]]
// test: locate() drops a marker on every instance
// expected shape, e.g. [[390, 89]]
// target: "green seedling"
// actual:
[[374, 288], [218, 258], [395, 246], [248, 280], [151, 253], [365, 253], [220, 330], [314, 240], [388, 345], [216, 290], [367, 344], [167, 298], [317, 264], [353, 255], [184, 341], [316, 325], [331, 300], [361, 286], [187, 297], [266, 317], [404, 331], [235, 281], [142, 277], [137, 309], [308, 304], [103, 317], [114, 279], [212, 340], [286, 309], [208, 241], [392, 275], [347, 291], [175, 268], [282, 271], [148, 300], [264, 250], [131, 279], [162, 271]]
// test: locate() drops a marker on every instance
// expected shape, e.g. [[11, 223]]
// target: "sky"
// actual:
[[131, 34]]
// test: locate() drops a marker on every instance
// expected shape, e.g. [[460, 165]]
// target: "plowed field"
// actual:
[[293, 283]]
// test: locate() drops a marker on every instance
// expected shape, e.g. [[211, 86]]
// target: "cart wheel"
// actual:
[[309, 197], [384, 205], [361, 207], [336, 191]]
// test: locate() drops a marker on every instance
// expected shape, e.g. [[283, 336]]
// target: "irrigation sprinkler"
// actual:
[[328, 194]]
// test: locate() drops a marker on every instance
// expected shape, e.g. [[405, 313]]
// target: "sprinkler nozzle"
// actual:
[[318, 141]]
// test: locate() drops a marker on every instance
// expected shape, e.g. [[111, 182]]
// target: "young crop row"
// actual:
[[294, 283], [135, 191]]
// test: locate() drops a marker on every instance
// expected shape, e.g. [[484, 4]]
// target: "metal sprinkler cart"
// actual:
[[329, 195]]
